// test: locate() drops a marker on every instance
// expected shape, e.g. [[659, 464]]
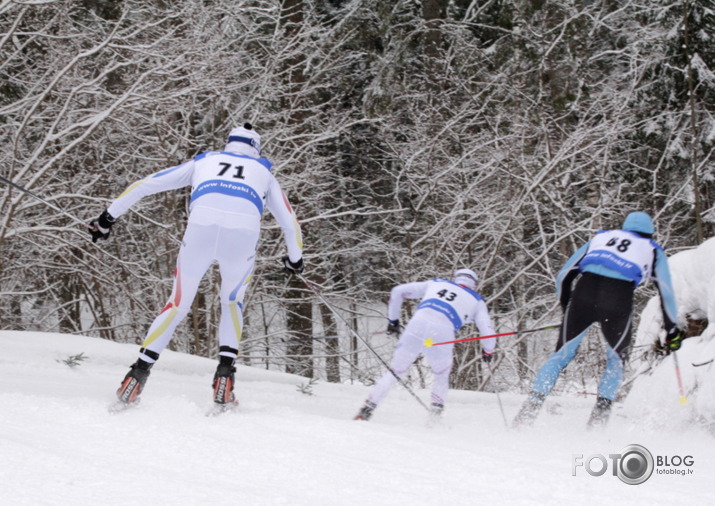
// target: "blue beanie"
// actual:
[[639, 221]]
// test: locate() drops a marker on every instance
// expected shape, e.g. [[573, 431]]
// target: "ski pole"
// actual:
[[354, 333], [429, 342], [703, 363], [496, 391], [683, 399], [50, 204]]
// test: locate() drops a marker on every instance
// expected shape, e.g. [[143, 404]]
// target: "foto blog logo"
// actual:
[[633, 465]]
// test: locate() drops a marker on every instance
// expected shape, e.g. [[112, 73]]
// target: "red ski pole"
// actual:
[[683, 398], [429, 342]]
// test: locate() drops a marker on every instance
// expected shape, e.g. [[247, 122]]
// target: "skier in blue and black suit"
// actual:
[[607, 270]]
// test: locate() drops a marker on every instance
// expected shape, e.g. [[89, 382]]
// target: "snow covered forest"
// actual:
[[412, 137]]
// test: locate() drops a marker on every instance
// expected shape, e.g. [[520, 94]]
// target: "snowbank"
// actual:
[[655, 394], [693, 275]]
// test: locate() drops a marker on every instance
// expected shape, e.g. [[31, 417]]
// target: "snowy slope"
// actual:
[[60, 446], [655, 397]]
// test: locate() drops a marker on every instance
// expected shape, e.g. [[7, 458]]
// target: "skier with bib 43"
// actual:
[[230, 190], [607, 270], [445, 307]]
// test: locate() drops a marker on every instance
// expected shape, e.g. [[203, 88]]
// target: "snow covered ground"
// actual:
[[60, 446]]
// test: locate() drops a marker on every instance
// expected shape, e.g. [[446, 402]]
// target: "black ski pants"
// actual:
[[607, 301]]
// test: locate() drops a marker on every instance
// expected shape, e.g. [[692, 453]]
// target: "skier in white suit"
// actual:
[[445, 307], [230, 190]]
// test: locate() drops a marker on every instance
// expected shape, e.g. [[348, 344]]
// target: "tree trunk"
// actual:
[[299, 326], [332, 345]]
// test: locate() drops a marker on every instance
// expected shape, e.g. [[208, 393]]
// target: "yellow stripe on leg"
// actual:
[[236, 323], [161, 328]]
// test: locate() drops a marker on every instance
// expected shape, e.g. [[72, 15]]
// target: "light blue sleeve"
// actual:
[[570, 265], [664, 284]]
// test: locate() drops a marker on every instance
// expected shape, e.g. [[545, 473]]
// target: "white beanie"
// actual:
[[244, 141], [466, 277]]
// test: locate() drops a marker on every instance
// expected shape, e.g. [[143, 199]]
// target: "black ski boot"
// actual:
[[529, 410], [223, 382], [600, 414], [133, 382], [366, 411]]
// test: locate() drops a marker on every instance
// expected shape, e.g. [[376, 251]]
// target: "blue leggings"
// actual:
[[550, 371], [599, 299]]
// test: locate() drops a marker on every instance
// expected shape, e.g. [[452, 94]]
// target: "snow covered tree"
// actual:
[[414, 138]]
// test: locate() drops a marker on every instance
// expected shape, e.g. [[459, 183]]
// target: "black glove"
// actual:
[[487, 357], [100, 228], [292, 267], [393, 328], [674, 338]]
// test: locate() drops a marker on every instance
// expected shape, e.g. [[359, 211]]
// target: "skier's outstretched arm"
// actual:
[[165, 180], [279, 206], [401, 292], [168, 179], [662, 280], [484, 324], [567, 274]]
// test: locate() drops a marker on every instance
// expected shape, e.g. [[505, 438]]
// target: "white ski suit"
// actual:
[[444, 309], [230, 191]]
